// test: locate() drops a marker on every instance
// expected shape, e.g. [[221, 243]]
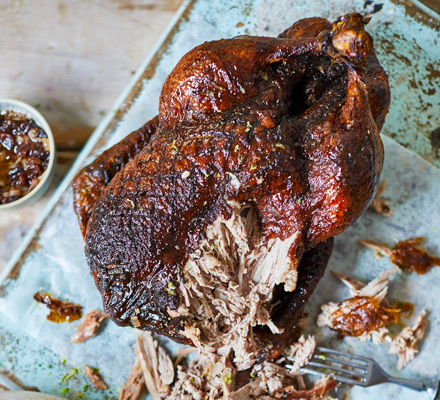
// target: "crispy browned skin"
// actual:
[[93, 179], [407, 256], [360, 315], [294, 120]]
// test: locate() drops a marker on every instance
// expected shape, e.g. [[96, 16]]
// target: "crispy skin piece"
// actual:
[[406, 255], [289, 125], [360, 315], [60, 311]]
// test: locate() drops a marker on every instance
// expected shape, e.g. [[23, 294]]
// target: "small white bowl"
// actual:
[[46, 177]]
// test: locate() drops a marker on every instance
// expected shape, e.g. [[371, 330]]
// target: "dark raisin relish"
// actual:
[[24, 155]]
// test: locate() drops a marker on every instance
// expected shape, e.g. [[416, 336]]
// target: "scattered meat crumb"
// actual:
[[135, 386], [157, 367], [377, 288], [89, 326], [380, 205], [406, 255], [182, 353], [94, 377], [301, 352], [405, 344]]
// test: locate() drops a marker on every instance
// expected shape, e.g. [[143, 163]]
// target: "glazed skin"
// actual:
[[289, 125]]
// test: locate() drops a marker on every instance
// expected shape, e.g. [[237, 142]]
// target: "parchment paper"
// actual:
[[59, 266]]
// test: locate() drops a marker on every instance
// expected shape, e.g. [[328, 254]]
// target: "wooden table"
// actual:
[[71, 60]]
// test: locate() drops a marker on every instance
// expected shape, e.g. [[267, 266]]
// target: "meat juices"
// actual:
[[212, 223], [60, 311]]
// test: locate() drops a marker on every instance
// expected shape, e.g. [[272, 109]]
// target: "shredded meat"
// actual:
[[211, 378], [377, 288], [228, 286], [380, 205], [157, 367], [301, 352], [94, 377], [406, 255], [216, 377], [89, 326], [362, 316], [135, 386], [405, 344]]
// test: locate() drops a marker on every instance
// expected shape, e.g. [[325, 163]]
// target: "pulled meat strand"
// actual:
[[405, 344], [157, 367], [377, 288], [380, 205], [301, 352], [89, 327], [94, 377], [135, 385]]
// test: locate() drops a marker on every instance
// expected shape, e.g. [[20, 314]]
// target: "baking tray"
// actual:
[[407, 41]]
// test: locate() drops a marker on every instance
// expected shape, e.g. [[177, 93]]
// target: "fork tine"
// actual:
[[335, 377], [332, 368], [364, 360], [342, 362]]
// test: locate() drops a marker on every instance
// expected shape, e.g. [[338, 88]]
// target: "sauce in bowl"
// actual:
[[24, 155]]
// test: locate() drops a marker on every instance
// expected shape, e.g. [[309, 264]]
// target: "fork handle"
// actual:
[[416, 385]]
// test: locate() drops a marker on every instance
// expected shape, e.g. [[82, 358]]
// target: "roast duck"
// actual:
[[212, 224]]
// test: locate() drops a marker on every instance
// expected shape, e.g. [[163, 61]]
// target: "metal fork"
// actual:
[[358, 370]]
